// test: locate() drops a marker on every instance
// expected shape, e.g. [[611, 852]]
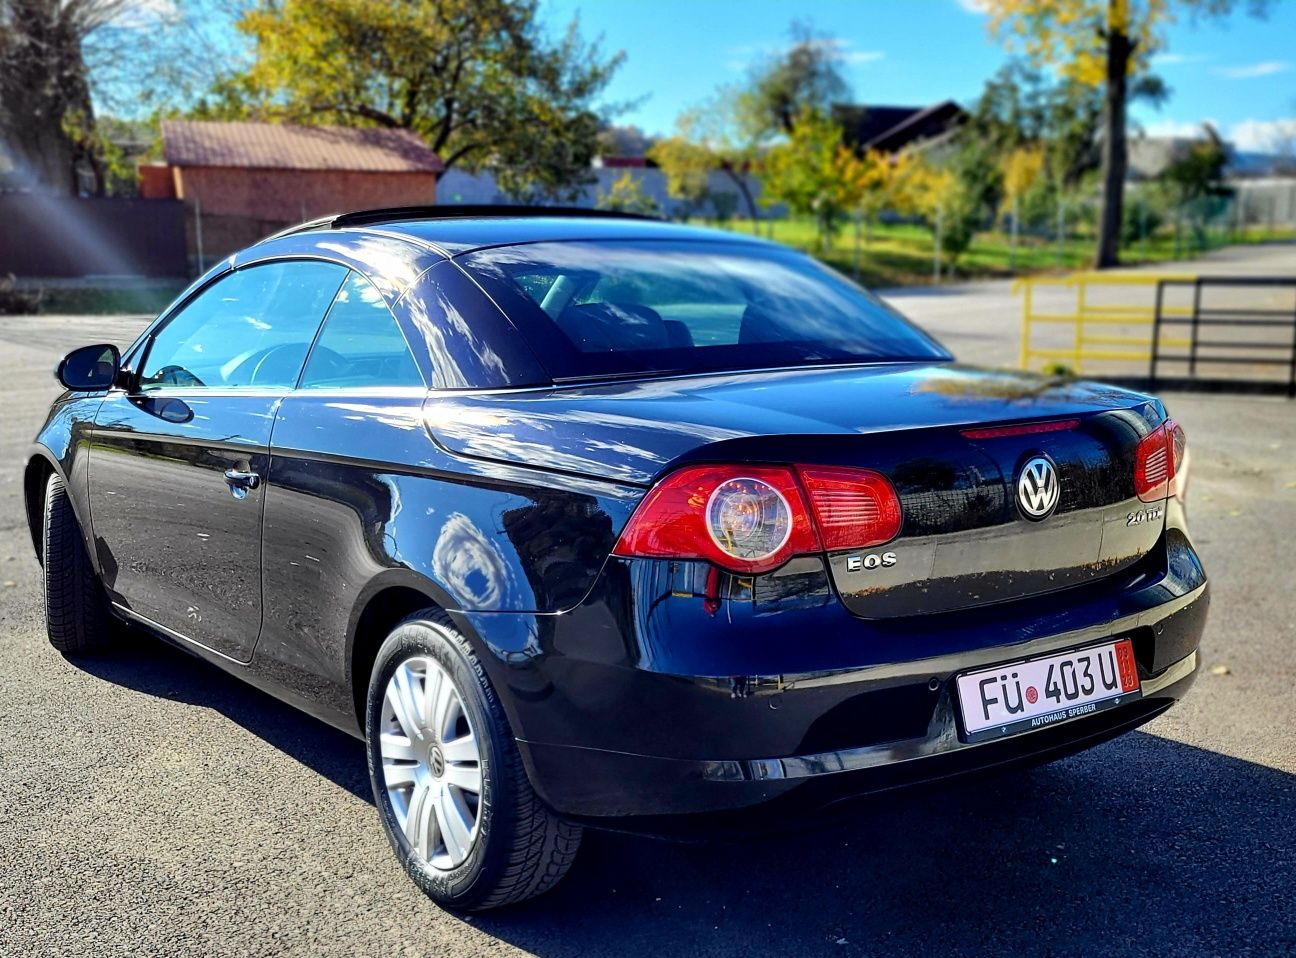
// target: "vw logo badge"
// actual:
[[1038, 488]]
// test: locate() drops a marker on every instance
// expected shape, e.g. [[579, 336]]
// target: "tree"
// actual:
[[627, 195], [936, 193], [1022, 169], [813, 173], [1100, 44], [720, 126], [1194, 178], [875, 176], [65, 64], [477, 79], [45, 105], [804, 77], [687, 166]]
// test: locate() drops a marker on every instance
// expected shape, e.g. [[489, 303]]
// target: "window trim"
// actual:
[[142, 349]]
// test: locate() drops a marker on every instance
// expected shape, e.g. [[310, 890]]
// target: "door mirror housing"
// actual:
[[90, 368]]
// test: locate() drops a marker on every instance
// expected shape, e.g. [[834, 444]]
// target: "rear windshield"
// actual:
[[627, 308]]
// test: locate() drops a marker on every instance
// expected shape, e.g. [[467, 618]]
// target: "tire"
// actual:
[[516, 847], [76, 612]]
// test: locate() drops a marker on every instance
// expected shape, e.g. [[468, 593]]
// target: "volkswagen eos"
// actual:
[[587, 520]]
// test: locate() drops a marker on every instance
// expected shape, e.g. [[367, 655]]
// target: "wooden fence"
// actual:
[[59, 237]]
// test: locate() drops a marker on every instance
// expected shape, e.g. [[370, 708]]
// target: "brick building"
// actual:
[[242, 181]]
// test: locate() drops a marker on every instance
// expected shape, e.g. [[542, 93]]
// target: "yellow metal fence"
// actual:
[[1111, 316]]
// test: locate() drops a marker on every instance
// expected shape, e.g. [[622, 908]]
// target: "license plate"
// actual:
[[1036, 693]]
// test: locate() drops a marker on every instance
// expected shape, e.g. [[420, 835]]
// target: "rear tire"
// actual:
[[76, 612], [506, 845]]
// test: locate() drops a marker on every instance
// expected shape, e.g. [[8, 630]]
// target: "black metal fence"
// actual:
[[57, 236], [1245, 338]]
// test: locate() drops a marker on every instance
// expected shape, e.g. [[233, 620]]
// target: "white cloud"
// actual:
[[1178, 129], [1175, 59], [977, 7], [1262, 136], [843, 51], [862, 56], [1262, 69], [1247, 136]]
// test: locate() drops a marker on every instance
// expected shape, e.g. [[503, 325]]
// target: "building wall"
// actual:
[[456, 186], [1269, 201], [295, 195], [228, 208]]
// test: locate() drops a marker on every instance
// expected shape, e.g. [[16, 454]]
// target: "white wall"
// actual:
[[457, 186]]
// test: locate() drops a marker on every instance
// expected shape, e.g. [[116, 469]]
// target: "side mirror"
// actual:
[[89, 368]]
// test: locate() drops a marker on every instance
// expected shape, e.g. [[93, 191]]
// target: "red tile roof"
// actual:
[[282, 146]]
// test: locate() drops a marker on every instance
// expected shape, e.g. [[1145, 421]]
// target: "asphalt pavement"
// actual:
[[152, 805]]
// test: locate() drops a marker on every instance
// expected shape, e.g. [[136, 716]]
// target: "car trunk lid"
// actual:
[[965, 539]]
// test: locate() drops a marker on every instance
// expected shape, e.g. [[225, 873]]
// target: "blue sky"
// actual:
[[1239, 73]]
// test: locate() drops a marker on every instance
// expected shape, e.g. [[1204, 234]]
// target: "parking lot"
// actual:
[[150, 804]]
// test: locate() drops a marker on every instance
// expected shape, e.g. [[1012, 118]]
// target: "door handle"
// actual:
[[241, 477]]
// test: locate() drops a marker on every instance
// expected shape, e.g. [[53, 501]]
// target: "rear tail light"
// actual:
[[1179, 462], [752, 519], [746, 519], [854, 508], [1160, 462]]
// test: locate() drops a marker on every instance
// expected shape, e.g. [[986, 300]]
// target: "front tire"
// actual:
[[76, 613], [449, 784]]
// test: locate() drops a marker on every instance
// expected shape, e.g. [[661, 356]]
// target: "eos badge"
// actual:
[[874, 560]]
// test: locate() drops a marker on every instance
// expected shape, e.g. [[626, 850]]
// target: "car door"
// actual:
[[331, 503], [179, 460]]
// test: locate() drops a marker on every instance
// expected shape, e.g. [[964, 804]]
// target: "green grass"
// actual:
[[897, 255], [901, 255], [93, 301]]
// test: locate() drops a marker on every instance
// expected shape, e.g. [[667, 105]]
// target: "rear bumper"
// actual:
[[636, 705], [639, 791]]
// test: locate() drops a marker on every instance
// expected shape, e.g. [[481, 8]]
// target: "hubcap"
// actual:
[[431, 763]]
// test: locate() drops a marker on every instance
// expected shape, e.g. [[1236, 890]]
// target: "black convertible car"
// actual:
[[583, 519]]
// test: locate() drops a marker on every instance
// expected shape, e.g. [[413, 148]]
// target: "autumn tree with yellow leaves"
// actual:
[[813, 173], [1021, 171], [1101, 43]]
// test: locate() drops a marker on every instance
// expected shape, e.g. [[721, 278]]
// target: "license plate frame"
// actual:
[[1032, 673]]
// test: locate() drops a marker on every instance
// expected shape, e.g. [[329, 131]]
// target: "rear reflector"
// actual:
[[1022, 429]]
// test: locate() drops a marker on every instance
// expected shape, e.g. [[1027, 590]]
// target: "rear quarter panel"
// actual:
[[361, 498]]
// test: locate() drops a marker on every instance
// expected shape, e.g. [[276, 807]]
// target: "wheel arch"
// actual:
[[41, 464], [388, 599]]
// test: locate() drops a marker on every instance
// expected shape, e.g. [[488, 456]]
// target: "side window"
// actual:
[[361, 344], [251, 328]]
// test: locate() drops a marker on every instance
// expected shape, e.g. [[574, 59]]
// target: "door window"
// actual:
[[361, 344], [252, 328]]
